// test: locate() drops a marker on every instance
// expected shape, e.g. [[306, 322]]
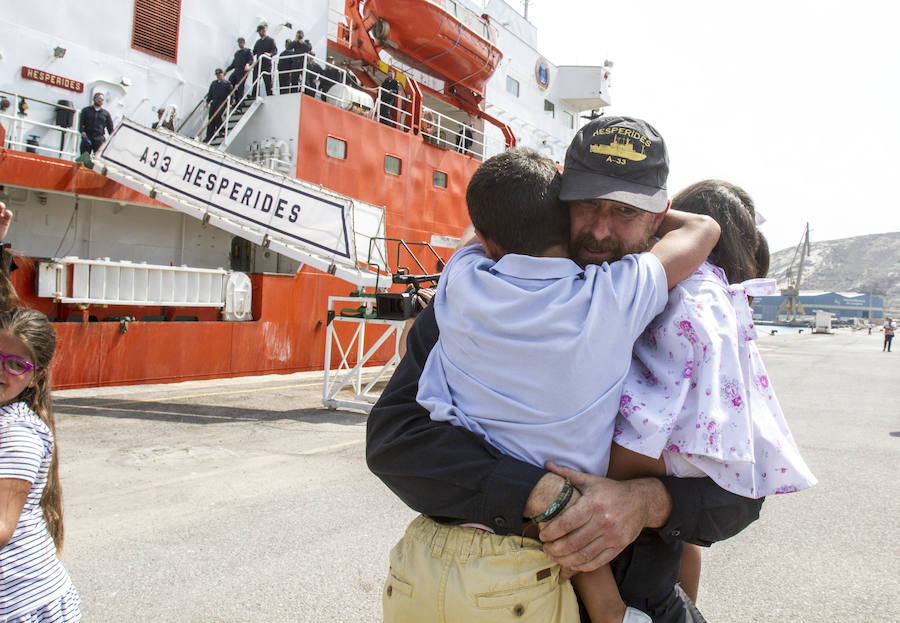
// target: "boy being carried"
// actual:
[[533, 348]]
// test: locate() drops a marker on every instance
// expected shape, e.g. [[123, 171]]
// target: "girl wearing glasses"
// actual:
[[34, 586]]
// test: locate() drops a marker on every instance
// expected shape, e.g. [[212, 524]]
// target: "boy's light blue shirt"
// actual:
[[533, 351]]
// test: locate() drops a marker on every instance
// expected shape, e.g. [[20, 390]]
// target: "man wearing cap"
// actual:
[[614, 184], [95, 122], [264, 50], [240, 65], [216, 97]]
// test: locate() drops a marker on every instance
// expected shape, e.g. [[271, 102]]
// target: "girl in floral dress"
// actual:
[[697, 400]]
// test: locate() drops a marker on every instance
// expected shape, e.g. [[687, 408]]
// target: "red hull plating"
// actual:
[[288, 333]]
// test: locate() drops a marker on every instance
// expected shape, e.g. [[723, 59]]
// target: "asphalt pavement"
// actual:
[[245, 500]]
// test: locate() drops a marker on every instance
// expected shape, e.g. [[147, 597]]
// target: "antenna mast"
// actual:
[[525, 4]]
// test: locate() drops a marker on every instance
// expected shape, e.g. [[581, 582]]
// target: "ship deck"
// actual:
[[243, 499]]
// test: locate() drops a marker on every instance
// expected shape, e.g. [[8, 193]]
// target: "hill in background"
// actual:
[[860, 264]]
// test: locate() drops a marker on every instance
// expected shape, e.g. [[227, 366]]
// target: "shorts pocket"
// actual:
[[395, 585], [517, 596]]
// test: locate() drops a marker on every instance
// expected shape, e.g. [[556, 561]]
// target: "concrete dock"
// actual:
[[244, 500]]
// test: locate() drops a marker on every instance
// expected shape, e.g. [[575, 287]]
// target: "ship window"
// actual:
[[336, 148], [550, 109], [440, 179], [512, 85], [392, 164], [155, 28], [569, 120]]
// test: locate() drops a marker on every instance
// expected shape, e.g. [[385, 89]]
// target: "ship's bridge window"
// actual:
[[155, 29], [512, 85], [549, 109], [569, 120], [392, 164], [336, 148], [440, 179]]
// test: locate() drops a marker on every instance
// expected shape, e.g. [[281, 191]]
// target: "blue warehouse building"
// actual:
[[844, 305]]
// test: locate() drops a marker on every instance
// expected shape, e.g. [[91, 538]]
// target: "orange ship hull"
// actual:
[[289, 327]]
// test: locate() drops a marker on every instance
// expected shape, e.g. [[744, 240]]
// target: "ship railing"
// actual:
[[468, 18], [24, 134], [339, 30], [445, 131], [391, 109]]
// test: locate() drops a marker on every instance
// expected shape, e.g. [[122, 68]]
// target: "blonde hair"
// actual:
[[38, 335]]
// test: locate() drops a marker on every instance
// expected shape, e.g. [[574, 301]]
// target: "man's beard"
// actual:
[[615, 249]]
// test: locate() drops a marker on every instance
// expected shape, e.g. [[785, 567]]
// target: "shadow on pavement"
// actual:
[[198, 413]]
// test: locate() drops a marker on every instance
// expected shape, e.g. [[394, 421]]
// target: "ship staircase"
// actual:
[[791, 306], [235, 115], [233, 122]]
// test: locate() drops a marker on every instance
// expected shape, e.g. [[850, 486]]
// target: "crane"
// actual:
[[791, 306]]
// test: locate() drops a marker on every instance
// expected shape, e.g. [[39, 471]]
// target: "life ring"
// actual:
[[427, 123]]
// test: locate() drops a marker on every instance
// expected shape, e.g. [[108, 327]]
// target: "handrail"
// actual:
[[40, 101], [19, 122]]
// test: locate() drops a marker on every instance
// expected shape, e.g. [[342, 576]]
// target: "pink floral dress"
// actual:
[[698, 393]]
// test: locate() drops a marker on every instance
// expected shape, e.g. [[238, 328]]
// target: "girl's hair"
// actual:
[[742, 251], [8, 296], [36, 332]]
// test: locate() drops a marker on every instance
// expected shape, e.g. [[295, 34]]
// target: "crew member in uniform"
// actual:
[[313, 71], [265, 47], [329, 77], [298, 47], [95, 122], [240, 65], [286, 62], [216, 97], [390, 87]]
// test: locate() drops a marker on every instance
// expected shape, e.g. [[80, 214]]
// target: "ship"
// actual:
[[154, 269]]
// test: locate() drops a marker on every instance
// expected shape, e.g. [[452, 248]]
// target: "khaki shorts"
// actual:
[[449, 574]]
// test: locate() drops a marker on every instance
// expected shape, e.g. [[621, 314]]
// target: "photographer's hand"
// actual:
[[425, 295]]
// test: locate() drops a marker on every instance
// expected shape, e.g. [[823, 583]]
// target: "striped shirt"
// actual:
[[31, 575]]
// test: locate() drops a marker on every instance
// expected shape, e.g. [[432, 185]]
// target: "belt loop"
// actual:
[[439, 542], [467, 549]]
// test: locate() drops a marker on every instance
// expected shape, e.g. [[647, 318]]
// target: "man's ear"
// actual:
[[658, 218], [662, 215], [491, 248]]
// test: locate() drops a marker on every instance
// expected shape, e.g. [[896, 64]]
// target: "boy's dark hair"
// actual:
[[513, 199], [742, 251]]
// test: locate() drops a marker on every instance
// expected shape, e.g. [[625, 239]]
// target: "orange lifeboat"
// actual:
[[438, 37]]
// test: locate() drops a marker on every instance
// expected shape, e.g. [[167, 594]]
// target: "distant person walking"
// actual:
[[888, 334], [216, 97], [240, 65]]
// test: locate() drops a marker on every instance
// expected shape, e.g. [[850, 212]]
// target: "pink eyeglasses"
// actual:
[[15, 365]]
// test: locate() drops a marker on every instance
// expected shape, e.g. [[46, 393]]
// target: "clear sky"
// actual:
[[794, 100]]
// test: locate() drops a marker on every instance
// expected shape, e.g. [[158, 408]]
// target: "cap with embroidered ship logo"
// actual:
[[620, 159]]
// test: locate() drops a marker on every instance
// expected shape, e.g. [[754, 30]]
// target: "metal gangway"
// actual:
[[298, 219]]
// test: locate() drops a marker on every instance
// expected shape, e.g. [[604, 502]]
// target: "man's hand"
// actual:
[[607, 517]]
